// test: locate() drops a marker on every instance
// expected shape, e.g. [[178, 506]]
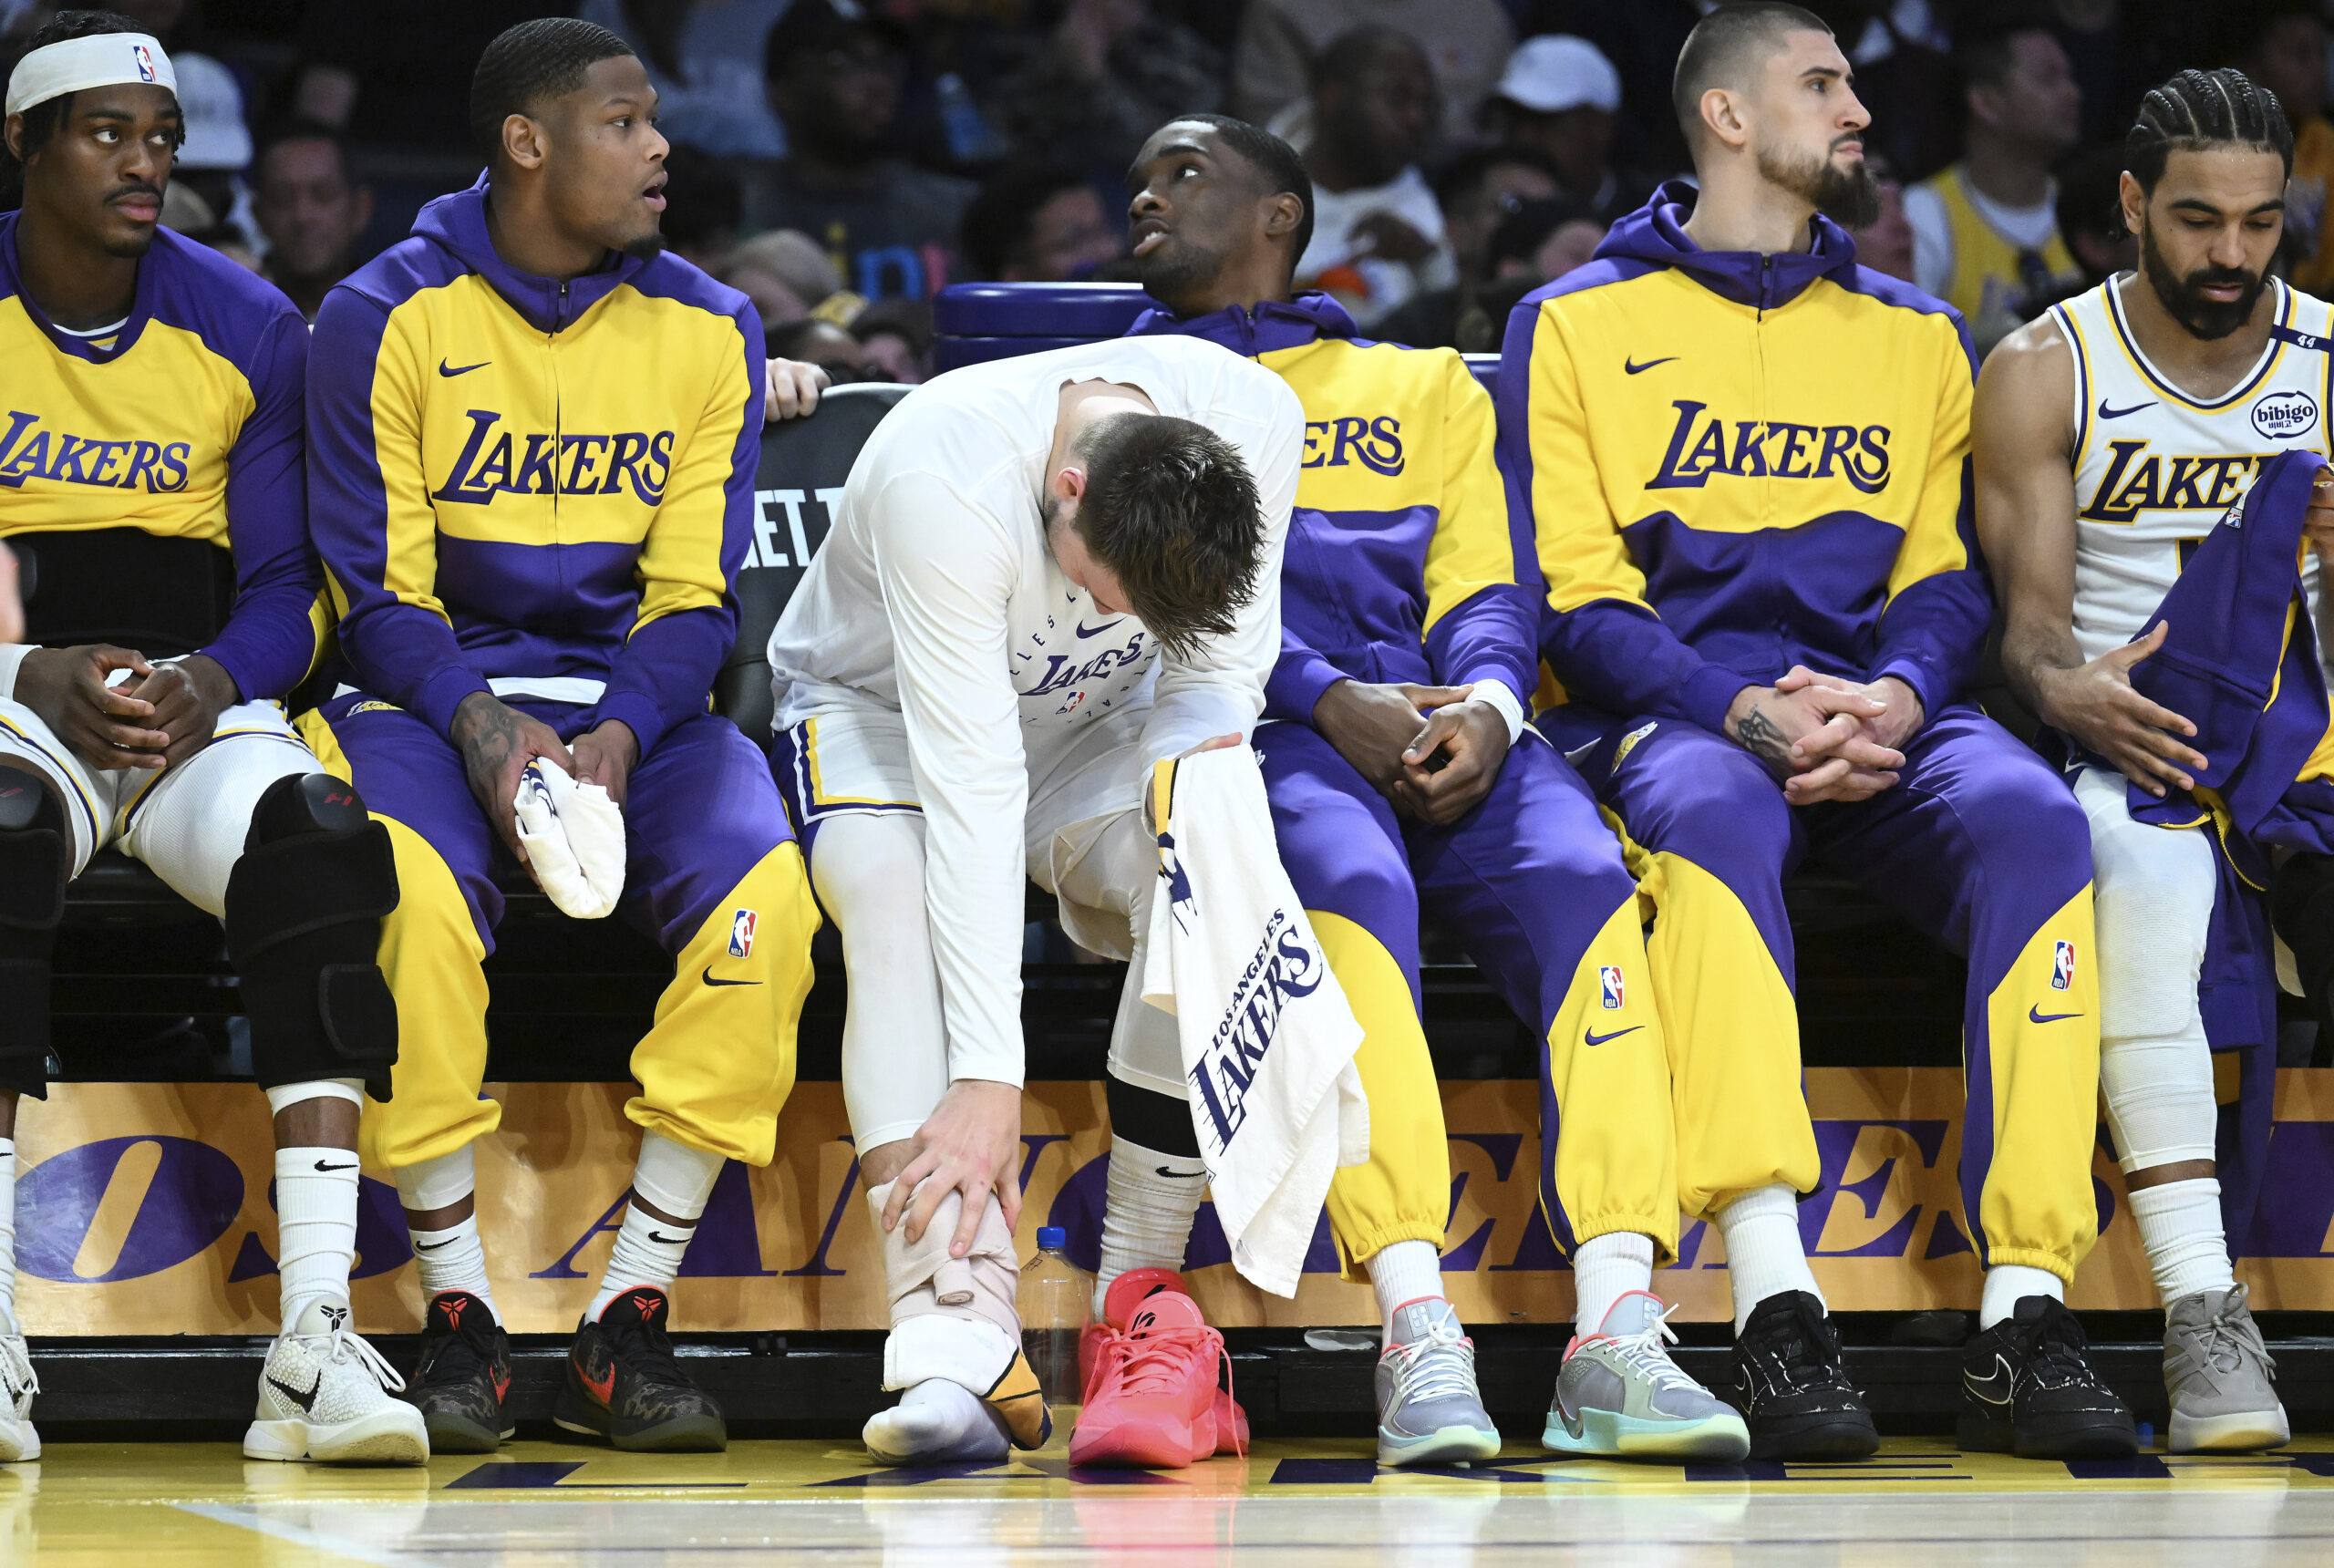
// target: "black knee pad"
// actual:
[[1155, 1120], [304, 927], [35, 857]]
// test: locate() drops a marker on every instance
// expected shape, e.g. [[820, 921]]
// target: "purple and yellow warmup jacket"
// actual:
[[1740, 462], [544, 485], [1403, 564], [185, 424]]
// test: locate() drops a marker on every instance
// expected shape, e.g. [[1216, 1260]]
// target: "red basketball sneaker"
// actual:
[[1152, 1403], [1120, 1303]]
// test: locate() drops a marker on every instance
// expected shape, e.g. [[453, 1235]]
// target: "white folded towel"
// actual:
[[1268, 1036], [574, 835]]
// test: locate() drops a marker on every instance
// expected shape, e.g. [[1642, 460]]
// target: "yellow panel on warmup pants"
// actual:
[[2037, 1205], [1615, 1164], [1733, 1033], [1404, 1193], [716, 1067]]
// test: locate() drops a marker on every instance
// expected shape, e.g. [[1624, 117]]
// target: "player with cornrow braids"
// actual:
[[2110, 436]]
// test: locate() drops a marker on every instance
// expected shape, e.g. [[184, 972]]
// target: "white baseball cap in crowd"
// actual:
[[1557, 71]]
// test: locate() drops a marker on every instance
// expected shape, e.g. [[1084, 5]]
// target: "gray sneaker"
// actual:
[[1619, 1395], [1428, 1410], [2218, 1372]]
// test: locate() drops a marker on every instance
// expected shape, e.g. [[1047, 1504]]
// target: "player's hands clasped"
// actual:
[[497, 742], [1848, 758], [2095, 704], [970, 1145], [1372, 726], [1812, 737], [105, 728], [188, 697], [1453, 762]]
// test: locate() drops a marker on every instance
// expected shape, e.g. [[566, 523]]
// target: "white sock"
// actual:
[[1763, 1253], [2180, 1226], [7, 1235], [1147, 1216], [454, 1259], [1604, 1269], [677, 1179], [316, 1226], [1401, 1273], [2006, 1283]]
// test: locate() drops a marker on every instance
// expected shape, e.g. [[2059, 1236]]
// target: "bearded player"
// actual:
[[1746, 457], [532, 447], [2111, 435], [152, 392]]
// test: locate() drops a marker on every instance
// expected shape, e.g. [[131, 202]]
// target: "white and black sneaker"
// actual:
[[18, 1440], [1793, 1387], [2027, 1390], [324, 1394]]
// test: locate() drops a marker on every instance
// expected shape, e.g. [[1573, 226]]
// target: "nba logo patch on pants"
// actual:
[[1615, 991], [741, 933], [2063, 967]]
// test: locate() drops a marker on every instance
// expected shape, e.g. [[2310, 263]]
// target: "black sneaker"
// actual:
[[1791, 1388], [463, 1381], [623, 1385], [2027, 1390]]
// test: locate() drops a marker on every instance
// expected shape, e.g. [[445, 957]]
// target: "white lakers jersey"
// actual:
[[2154, 467]]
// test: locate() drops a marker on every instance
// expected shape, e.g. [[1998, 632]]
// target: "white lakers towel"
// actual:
[[573, 836], [1266, 1034]]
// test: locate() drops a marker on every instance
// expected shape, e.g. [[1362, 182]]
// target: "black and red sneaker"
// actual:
[[462, 1382], [622, 1384]]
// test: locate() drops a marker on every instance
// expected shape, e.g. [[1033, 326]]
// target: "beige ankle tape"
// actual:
[[921, 1278]]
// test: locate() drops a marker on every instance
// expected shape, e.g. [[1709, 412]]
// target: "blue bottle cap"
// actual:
[[1051, 1236]]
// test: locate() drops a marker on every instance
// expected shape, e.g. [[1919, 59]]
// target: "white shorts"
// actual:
[[856, 760], [187, 822]]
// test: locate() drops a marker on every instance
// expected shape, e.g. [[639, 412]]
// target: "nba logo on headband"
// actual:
[[143, 58]]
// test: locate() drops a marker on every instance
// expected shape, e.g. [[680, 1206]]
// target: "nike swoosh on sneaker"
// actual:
[[603, 1388], [711, 980], [322, 1166], [306, 1401], [2000, 1378], [2035, 1014], [1591, 1037]]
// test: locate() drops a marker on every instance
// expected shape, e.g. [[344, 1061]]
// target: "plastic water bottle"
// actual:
[[1055, 1295]]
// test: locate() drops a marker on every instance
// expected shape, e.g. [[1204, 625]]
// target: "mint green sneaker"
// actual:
[[1621, 1396], [1429, 1412]]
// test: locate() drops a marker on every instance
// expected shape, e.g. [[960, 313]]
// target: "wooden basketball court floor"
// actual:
[[1288, 1503]]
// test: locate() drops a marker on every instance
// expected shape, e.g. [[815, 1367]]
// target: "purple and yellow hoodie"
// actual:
[[185, 424], [1403, 564], [545, 486], [1740, 462]]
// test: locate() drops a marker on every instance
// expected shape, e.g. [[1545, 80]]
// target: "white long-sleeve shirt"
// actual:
[[936, 597]]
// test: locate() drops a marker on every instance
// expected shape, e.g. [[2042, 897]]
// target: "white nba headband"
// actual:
[[109, 60]]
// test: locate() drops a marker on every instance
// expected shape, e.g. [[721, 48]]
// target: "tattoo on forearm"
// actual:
[[1760, 736]]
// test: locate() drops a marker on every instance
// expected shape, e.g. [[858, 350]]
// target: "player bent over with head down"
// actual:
[[1046, 574], [2079, 415], [1746, 458], [1410, 614], [533, 449], [155, 388]]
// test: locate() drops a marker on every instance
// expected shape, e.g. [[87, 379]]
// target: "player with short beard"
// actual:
[[1746, 458], [534, 440], [2084, 419], [152, 440]]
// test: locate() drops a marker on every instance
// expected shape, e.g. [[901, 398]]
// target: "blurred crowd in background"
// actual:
[[841, 161]]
